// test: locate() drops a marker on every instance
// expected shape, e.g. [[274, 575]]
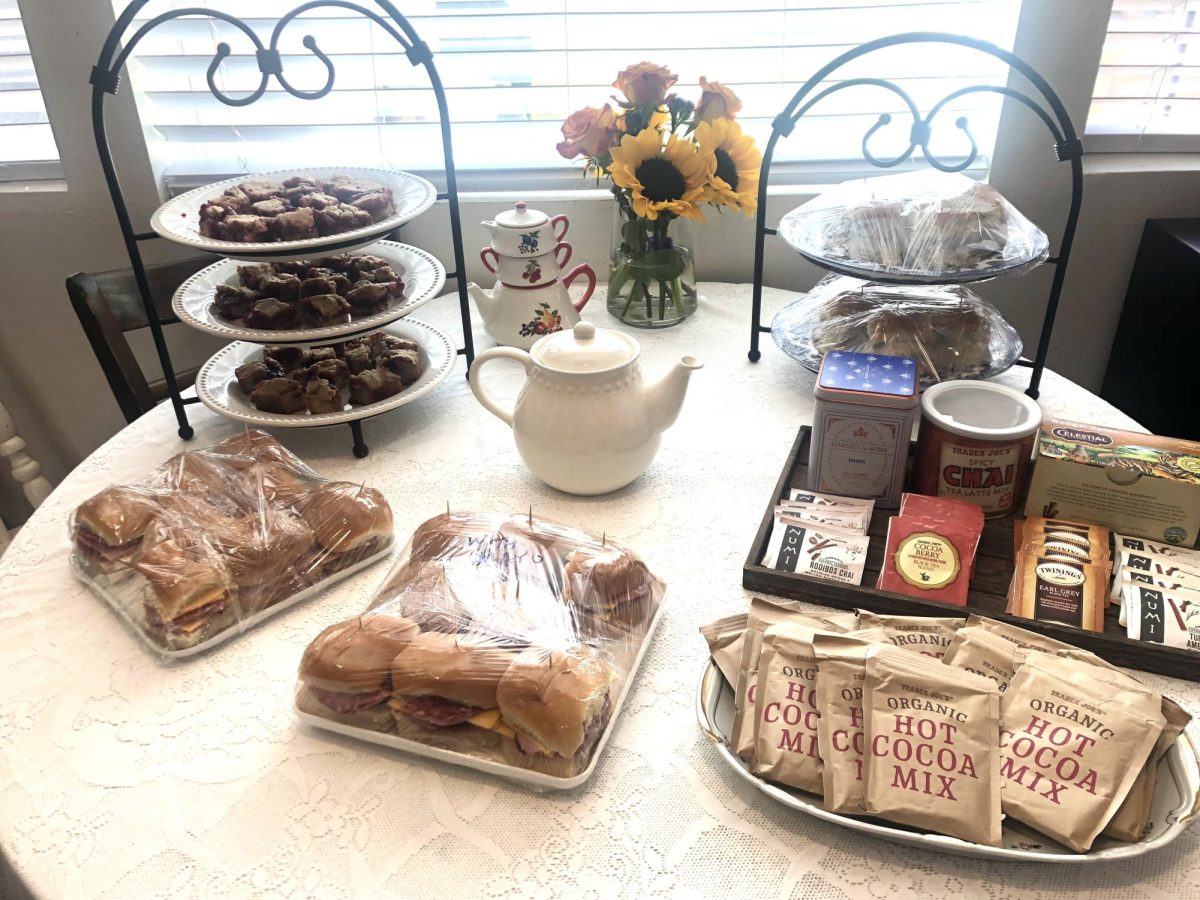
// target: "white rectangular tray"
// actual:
[[538, 780], [1176, 798], [129, 608]]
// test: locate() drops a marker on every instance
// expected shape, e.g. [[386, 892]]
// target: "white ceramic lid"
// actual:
[[521, 216], [981, 409], [585, 348]]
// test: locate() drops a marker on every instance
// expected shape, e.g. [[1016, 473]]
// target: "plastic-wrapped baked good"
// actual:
[[927, 226], [950, 331], [517, 639], [215, 540]]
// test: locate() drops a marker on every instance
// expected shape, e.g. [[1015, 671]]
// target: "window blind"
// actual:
[[1147, 94], [27, 148], [514, 69]]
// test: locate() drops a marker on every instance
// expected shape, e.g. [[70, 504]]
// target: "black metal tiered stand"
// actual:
[[106, 79], [1067, 148]]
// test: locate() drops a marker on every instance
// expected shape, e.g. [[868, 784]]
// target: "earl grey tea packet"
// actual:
[[932, 748]]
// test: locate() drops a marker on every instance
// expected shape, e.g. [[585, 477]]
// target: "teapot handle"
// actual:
[[582, 269], [477, 389], [556, 221], [486, 254], [565, 257]]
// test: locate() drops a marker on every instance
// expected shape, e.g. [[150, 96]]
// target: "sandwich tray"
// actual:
[[1176, 799], [536, 780], [128, 605], [987, 593]]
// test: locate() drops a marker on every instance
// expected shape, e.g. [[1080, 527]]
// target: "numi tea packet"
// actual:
[[932, 749], [816, 550], [1073, 738], [927, 635], [1185, 571], [1164, 617]]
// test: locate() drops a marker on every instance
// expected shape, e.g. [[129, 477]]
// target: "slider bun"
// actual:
[[377, 718], [273, 482], [251, 445], [447, 535], [180, 581], [192, 472], [263, 547], [344, 516], [551, 695], [556, 766], [118, 514], [462, 668], [355, 656], [602, 579]]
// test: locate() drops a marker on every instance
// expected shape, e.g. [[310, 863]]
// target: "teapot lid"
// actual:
[[521, 217], [585, 348]]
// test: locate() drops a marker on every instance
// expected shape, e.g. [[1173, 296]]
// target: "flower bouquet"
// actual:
[[666, 158]]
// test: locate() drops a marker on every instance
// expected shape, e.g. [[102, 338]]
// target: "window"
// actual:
[[514, 69], [27, 148], [1147, 94]]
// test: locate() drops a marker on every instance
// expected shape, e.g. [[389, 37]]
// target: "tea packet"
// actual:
[[1182, 570], [1060, 589], [1073, 739], [820, 551], [1164, 617], [724, 638], [856, 521], [785, 729], [841, 671], [932, 746], [1167, 551], [763, 614], [927, 635], [1131, 820]]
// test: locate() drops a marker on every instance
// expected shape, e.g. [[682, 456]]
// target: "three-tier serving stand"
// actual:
[[106, 80]]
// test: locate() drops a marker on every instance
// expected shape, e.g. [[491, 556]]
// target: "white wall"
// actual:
[[50, 381]]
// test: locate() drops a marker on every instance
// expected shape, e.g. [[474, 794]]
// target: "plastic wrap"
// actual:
[[216, 539], [947, 329], [507, 640], [923, 226]]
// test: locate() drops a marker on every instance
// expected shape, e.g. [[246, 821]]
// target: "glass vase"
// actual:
[[652, 276]]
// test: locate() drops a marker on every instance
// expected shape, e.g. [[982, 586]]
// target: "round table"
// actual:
[[124, 777]]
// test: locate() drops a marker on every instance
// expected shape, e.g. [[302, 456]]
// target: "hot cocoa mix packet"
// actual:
[[841, 671], [925, 635], [1073, 738], [933, 757], [983, 653], [762, 615], [1130, 821], [785, 730], [724, 639]]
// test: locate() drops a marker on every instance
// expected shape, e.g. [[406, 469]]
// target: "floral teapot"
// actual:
[[530, 297], [586, 422]]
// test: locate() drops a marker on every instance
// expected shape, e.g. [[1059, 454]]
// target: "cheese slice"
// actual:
[[486, 719]]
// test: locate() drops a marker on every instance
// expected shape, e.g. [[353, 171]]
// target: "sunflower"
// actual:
[[734, 179], [671, 179]]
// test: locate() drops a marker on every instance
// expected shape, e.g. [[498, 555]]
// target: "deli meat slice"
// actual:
[[435, 710], [342, 702]]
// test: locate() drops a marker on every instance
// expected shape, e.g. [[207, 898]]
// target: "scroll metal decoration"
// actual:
[[1049, 109], [106, 80]]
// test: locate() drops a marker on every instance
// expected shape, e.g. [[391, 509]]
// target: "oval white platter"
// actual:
[[217, 387], [178, 219], [1176, 799], [423, 276]]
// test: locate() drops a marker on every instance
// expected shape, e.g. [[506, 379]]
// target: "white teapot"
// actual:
[[524, 232], [585, 422]]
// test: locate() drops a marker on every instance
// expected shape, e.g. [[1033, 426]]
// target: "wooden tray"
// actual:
[[987, 595]]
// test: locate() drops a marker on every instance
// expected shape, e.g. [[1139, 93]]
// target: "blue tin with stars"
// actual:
[[866, 407]]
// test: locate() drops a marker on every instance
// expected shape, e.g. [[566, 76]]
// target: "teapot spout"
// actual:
[[664, 398], [485, 301]]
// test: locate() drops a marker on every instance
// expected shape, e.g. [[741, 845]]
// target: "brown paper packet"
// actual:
[[1059, 589], [1131, 819], [1073, 738], [932, 746], [926, 635], [983, 653], [785, 728], [763, 614], [841, 671], [1030, 640], [724, 639]]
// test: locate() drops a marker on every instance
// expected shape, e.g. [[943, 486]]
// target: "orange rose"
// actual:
[[645, 83], [589, 132], [716, 101]]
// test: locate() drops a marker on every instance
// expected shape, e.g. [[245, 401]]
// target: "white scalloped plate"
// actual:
[[216, 384], [178, 219], [424, 277], [1176, 801]]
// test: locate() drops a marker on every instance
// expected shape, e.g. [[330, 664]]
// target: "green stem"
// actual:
[[649, 301], [633, 290], [662, 299]]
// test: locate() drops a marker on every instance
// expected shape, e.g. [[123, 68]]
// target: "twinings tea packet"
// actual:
[[1164, 617], [1079, 538], [932, 749], [1073, 738], [785, 730], [841, 671], [1060, 590], [1130, 821], [762, 615], [816, 550], [983, 653], [927, 635], [724, 639]]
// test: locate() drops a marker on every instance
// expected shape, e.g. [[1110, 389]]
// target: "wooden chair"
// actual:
[[25, 470], [109, 306]]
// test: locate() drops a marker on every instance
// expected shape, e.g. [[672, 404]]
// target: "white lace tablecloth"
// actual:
[[123, 777]]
